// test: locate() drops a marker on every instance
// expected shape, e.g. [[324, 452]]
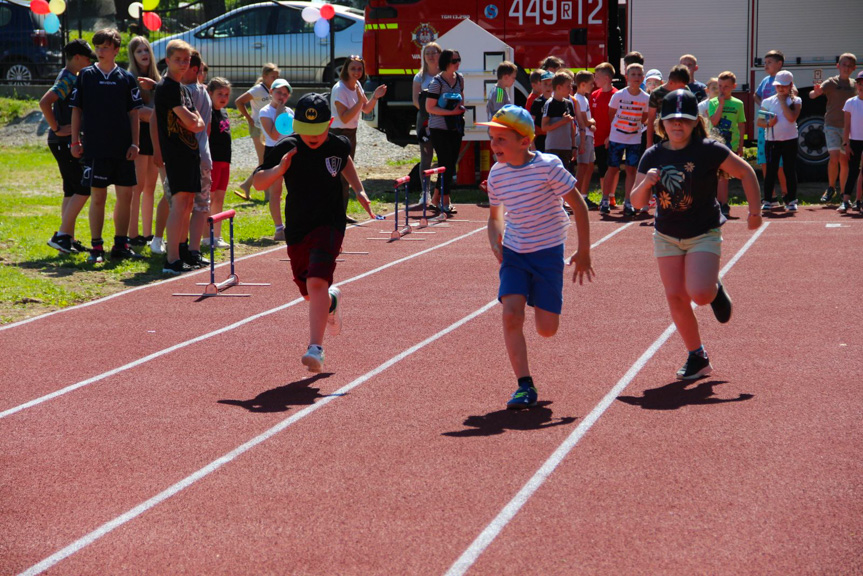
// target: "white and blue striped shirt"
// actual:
[[531, 195]]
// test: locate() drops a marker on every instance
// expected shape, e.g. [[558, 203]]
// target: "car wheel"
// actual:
[[331, 76], [812, 152], [18, 74]]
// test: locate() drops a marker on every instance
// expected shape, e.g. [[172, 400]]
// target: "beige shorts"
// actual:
[[256, 132], [668, 246], [833, 135]]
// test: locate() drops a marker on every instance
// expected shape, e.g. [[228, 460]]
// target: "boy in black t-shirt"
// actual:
[[536, 110], [105, 107], [177, 122], [311, 162]]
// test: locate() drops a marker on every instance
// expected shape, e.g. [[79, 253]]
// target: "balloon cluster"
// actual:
[[144, 11], [50, 10], [320, 17]]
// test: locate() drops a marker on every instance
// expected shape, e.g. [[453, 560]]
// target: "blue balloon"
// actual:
[[52, 23], [285, 123], [322, 28]]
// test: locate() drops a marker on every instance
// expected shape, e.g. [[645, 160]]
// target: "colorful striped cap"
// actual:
[[512, 117]]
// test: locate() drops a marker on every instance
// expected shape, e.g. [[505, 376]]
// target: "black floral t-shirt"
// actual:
[[686, 204]]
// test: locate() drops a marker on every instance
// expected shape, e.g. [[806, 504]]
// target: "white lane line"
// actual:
[[109, 526], [208, 335], [487, 536]]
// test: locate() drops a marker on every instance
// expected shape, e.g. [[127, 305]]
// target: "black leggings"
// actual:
[[786, 151], [855, 151], [447, 144]]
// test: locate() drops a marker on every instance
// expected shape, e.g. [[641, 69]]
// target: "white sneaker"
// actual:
[[157, 246], [791, 206], [334, 320], [767, 205], [221, 244], [313, 359]]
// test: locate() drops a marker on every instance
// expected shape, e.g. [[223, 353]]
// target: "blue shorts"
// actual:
[[538, 276], [616, 154], [762, 142]]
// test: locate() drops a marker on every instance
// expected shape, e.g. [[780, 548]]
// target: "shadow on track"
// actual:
[[500, 421], [299, 393], [677, 395]]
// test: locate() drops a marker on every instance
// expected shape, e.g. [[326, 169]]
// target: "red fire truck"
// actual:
[[578, 31]]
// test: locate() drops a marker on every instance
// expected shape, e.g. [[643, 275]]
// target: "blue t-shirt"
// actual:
[[766, 89], [63, 87], [106, 100]]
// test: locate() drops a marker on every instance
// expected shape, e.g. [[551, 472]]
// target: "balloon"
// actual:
[[310, 14], [322, 28], [152, 21], [39, 7], [136, 9], [285, 123], [327, 12], [150, 5], [57, 6], [51, 24]]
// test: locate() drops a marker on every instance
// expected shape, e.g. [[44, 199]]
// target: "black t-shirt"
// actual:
[[536, 112], [314, 196], [699, 89], [106, 100], [178, 143], [686, 204], [220, 136]]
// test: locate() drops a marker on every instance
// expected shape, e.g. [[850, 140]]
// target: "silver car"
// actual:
[[236, 44]]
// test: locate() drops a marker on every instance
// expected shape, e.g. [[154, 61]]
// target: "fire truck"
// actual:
[[577, 31]]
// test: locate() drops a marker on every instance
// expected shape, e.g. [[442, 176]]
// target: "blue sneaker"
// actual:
[[523, 397]]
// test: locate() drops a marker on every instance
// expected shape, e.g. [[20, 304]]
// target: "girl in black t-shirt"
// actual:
[[682, 172]]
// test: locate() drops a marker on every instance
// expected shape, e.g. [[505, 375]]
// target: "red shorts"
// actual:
[[221, 175], [315, 256]]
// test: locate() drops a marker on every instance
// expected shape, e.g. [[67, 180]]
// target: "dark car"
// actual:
[[27, 53]]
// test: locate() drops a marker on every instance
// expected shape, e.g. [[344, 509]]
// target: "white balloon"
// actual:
[[136, 9], [311, 14]]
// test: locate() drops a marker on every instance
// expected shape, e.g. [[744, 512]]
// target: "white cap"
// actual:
[[783, 78]]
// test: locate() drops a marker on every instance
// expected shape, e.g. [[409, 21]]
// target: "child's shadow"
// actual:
[[280, 399], [677, 395], [500, 421]]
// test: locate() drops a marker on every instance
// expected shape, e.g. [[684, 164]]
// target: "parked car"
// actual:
[[236, 44], [27, 53]]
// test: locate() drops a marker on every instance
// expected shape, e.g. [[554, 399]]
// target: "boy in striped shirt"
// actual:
[[498, 97], [527, 228]]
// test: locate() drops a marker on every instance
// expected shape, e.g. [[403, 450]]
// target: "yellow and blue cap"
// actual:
[[512, 117]]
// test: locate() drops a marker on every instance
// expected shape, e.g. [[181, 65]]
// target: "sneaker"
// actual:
[[199, 258], [313, 359], [351, 220], [188, 257], [791, 206], [97, 256], [78, 247], [697, 366], [725, 209], [124, 252], [334, 319], [175, 267], [628, 210], [138, 241], [523, 397], [768, 205], [721, 305], [612, 201], [858, 205], [828, 194], [221, 244], [591, 205], [157, 246], [844, 206], [279, 236], [604, 207], [62, 243]]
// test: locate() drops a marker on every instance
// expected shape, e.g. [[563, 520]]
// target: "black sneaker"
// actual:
[[97, 256], [721, 305], [628, 210], [62, 243], [828, 194], [858, 205], [175, 267], [604, 207], [188, 258], [725, 209], [78, 247], [138, 241], [697, 366], [124, 252], [591, 205], [200, 261]]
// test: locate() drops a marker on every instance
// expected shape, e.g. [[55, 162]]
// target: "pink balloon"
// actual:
[[327, 12], [39, 7], [152, 21]]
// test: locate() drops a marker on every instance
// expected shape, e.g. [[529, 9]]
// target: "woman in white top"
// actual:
[[430, 69], [347, 101], [257, 96], [280, 93]]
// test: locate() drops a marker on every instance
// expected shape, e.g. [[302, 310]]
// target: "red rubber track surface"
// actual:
[[755, 470]]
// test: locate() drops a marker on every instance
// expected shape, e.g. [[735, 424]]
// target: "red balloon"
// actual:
[[39, 7], [327, 12], [151, 20]]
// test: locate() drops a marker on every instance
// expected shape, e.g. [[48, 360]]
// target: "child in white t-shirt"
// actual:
[[779, 115], [280, 92], [853, 141], [256, 98]]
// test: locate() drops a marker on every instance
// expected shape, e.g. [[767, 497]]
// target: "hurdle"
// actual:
[[212, 288], [441, 217]]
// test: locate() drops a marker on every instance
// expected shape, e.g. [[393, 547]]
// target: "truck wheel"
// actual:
[[812, 155]]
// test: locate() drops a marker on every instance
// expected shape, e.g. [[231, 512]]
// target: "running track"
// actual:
[[151, 434]]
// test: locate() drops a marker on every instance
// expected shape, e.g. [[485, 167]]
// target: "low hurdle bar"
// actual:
[[427, 174]]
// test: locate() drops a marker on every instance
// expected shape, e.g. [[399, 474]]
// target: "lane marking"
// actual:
[[487, 536], [208, 335], [133, 513]]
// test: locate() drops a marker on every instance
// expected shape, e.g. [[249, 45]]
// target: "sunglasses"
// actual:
[[356, 58], [455, 60]]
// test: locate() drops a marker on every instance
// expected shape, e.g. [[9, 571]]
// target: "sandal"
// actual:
[[243, 196]]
